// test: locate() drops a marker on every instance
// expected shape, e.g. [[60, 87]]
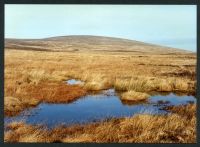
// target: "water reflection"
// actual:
[[95, 107]]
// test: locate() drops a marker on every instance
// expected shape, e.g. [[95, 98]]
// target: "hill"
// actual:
[[84, 43]]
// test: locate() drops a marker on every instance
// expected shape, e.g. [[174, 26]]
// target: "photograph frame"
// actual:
[[124, 2]]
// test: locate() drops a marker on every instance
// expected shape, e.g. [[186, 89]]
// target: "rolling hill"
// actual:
[[83, 43]]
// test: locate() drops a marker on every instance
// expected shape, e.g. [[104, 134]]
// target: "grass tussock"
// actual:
[[13, 106], [25, 133], [56, 92], [188, 111], [148, 84], [97, 82], [134, 96], [172, 128]]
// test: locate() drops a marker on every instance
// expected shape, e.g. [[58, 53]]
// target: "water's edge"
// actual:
[[96, 107]]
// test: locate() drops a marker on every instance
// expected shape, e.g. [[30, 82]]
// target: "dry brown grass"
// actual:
[[26, 133], [148, 84], [39, 75], [97, 82], [34, 75], [134, 96], [56, 92], [13, 106], [31, 94], [173, 128], [188, 111]]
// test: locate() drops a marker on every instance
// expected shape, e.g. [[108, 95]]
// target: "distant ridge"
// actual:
[[82, 43]]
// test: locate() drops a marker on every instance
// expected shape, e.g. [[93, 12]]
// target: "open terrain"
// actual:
[[36, 71]]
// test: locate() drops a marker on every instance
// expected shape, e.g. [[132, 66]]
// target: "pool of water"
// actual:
[[95, 107], [74, 82], [172, 99]]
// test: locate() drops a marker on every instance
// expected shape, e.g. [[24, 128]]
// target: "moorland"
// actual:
[[35, 71]]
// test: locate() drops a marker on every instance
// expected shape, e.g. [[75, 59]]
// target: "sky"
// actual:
[[168, 25]]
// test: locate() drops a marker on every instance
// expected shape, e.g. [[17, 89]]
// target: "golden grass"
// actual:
[[28, 95], [97, 82], [39, 75], [25, 133], [134, 96], [12, 105], [147, 84], [56, 92], [32, 77], [173, 128], [188, 111]]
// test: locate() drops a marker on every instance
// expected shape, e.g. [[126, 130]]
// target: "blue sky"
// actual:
[[169, 25]]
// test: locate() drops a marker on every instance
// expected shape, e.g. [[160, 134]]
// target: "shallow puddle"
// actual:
[[96, 107], [74, 82], [172, 99]]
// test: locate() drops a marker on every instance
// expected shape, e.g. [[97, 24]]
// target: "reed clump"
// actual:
[[13, 106], [97, 82], [147, 84], [134, 96]]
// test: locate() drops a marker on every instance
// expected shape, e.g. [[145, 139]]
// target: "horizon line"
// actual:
[[105, 37]]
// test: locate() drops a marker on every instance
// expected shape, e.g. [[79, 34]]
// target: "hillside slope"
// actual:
[[83, 43]]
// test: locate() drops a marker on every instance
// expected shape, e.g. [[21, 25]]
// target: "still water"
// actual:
[[95, 107]]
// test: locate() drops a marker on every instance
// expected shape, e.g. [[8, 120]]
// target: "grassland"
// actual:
[[33, 76]]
